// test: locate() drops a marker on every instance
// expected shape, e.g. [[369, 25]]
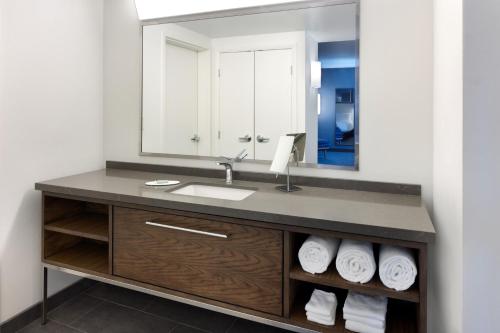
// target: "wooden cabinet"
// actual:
[[239, 267], [232, 263]]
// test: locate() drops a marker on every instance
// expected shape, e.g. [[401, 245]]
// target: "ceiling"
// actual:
[[330, 23]]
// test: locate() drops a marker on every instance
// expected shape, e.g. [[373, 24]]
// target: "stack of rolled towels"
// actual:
[[322, 307], [365, 314], [355, 261]]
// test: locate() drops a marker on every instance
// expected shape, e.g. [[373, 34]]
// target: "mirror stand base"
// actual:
[[288, 188]]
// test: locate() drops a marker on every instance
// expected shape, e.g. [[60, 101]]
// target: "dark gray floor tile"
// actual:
[[113, 318], [190, 315], [51, 327], [245, 326], [122, 296], [186, 329], [74, 309]]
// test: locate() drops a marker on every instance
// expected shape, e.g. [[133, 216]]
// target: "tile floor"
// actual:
[[110, 309]]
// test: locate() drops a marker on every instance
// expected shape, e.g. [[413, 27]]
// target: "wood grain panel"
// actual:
[[55, 242], [245, 269], [58, 208], [86, 256]]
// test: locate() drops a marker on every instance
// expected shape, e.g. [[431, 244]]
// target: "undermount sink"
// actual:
[[214, 191]]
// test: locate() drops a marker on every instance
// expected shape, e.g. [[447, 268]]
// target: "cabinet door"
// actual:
[[273, 100], [236, 103], [243, 269]]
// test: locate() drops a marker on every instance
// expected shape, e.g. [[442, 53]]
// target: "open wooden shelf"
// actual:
[[87, 225], [399, 318], [85, 256], [332, 278]]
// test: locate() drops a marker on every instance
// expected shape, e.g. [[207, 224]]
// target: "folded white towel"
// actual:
[[320, 319], [322, 303], [397, 268], [316, 254], [362, 328], [367, 321], [371, 307], [355, 261]]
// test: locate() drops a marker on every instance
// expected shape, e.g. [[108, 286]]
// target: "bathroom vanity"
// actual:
[[237, 257]]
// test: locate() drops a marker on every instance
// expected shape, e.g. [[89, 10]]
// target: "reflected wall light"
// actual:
[[315, 74]]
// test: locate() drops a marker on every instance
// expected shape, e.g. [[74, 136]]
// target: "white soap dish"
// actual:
[[162, 182]]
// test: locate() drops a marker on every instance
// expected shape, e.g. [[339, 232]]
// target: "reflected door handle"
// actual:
[[195, 138], [262, 139], [246, 138]]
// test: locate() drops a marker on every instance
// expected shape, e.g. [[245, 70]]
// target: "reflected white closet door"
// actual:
[[273, 100], [236, 103], [180, 119]]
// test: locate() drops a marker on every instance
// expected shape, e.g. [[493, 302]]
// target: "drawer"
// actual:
[[231, 263]]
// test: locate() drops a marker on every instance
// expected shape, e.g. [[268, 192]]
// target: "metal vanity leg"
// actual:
[[44, 297]]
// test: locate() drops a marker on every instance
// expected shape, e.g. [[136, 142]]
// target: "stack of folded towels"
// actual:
[[355, 261], [317, 252], [322, 307], [365, 314], [397, 268]]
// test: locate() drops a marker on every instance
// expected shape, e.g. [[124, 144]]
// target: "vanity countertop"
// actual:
[[395, 216]]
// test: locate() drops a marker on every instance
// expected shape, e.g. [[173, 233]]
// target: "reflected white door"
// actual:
[[273, 100], [180, 117], [236, 103]]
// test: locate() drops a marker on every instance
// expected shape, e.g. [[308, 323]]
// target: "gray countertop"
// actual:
[[395, 216]]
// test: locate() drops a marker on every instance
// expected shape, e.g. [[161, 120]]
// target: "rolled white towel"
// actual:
[[362, 328], [316, 253], [370, 307], [355, 261], [397, 268]]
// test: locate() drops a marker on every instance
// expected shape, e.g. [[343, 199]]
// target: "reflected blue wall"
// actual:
[[331, 79]]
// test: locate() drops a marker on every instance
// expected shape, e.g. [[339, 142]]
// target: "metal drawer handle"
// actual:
[[166, 226]]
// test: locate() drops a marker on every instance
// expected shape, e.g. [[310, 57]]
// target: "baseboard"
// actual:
[[32, 313]]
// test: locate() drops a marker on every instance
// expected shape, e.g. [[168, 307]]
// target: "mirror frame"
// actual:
[[260, 10]]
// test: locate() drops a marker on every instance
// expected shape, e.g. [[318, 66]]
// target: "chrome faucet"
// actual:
[[229, 162]]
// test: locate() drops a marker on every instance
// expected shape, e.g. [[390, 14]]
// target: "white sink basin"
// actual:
[[215, 192]]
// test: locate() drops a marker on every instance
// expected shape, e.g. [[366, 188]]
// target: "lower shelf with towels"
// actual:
[[401, 316]]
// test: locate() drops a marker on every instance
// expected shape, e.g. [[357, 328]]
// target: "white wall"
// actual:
[[50, 126], [481, 228], [396, 93], [445, 297]]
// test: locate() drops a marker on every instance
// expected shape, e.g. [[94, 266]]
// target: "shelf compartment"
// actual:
[[332, 278], [87, 256], [87, 225], [400, 316]]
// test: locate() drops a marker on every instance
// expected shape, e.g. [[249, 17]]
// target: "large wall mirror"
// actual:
[[213, 87]]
